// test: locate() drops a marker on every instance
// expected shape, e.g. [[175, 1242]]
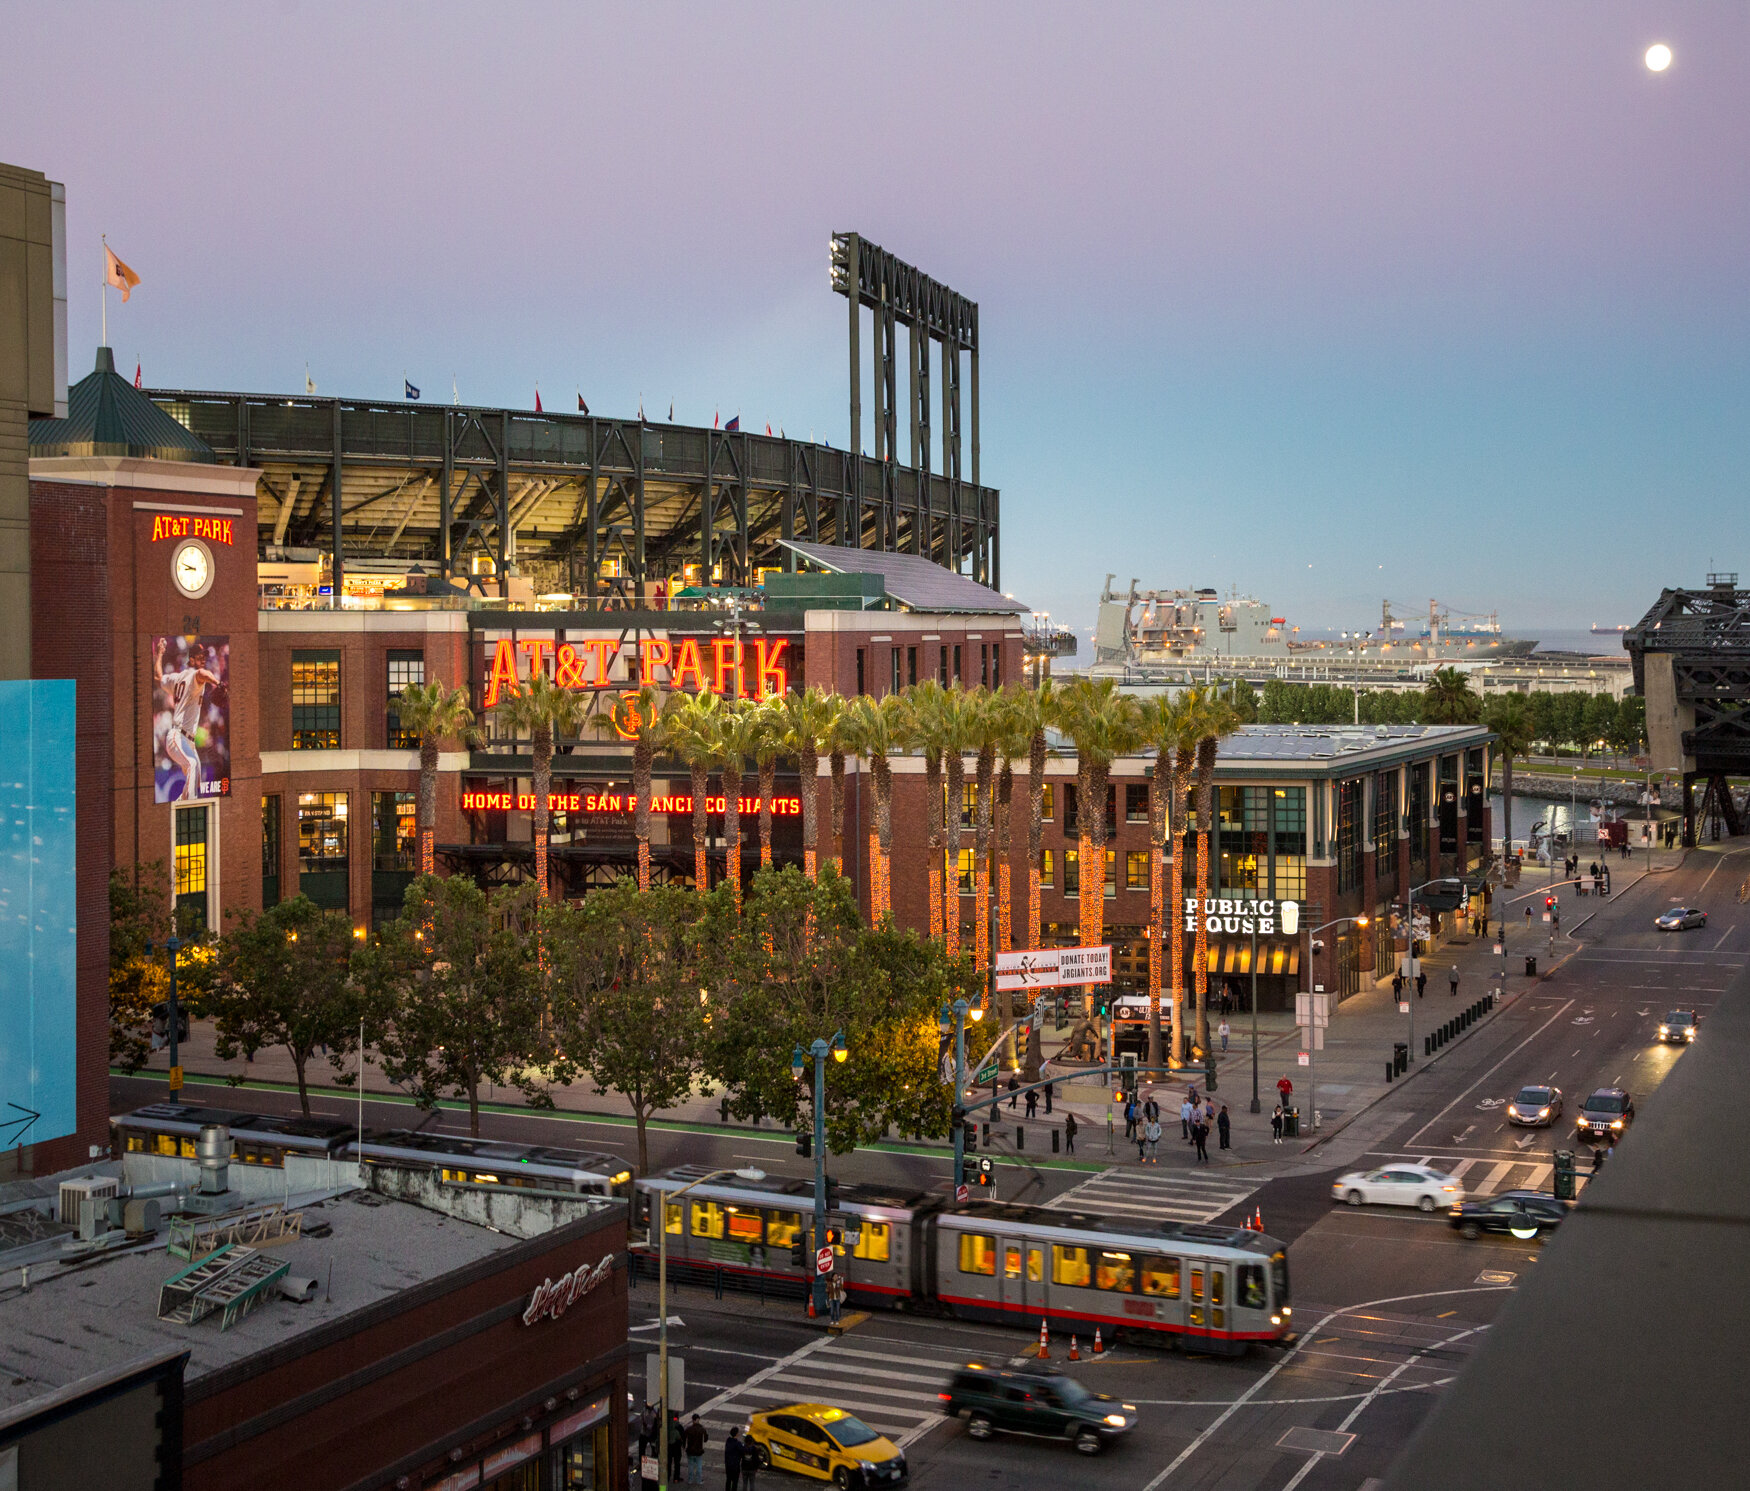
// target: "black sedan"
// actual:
[[1524, 1214]]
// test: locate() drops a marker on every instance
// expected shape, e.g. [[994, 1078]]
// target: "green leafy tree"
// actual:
[[1570, 719], [454, 998], [1544, 725], [1599, 722], [1510, 718], [623, 970], [139, 965], [1450, 700], [284, 979], [1629, 733], [798, 966]]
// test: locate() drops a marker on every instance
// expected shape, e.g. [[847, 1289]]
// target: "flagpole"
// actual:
[[104, 289]]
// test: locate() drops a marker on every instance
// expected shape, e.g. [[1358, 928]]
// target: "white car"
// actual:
[[1399, 1185]]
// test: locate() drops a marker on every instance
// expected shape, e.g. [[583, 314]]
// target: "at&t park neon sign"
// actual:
[[720, 665]]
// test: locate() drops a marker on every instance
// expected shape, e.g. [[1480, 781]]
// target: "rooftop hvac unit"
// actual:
[[83, 1203]]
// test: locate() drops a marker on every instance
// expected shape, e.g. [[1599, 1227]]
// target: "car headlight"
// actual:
[[1664, 1030], [1116, 1420], [1543, 1112], [1616, 1123], [1689, 1034], [1287, 1309], [1276, 1320], [867, 1464], [1512, 1110]]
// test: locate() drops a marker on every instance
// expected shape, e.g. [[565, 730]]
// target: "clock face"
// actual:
[[191, 566]]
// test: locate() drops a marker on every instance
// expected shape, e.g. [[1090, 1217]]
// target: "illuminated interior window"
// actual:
[[1070, 1266], [873, 1242], [191, 869], [978, 1254], [315, 701]]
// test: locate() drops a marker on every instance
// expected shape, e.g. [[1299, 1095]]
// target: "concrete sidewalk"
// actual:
[[1349, 1074]]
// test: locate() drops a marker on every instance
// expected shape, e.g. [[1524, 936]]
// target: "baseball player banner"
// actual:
[[191, 718]]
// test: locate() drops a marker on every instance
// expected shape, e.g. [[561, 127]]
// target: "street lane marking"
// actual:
[[1565, 1007]]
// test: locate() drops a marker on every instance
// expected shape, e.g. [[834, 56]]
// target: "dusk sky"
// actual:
[[1329, 302]]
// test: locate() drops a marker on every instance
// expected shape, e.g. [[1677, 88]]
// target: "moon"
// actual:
[[1658, 57]]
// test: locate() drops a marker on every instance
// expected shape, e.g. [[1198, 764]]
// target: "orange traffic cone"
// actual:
[[1258, 1220], [811, 1304], [1074, 1355], [1044, 1339], [1098, 1348]]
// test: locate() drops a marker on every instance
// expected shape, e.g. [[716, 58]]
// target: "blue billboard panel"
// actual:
[[38, 922]]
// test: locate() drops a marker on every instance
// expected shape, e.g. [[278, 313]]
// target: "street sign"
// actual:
[[962, 1193], [823, 1261], [1305, 1060], [176, 1079], [984, 1074], [1312, 1009], [1054, 967], [1403, 1006]]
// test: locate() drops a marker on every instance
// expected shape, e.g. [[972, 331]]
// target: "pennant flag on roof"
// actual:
[[118, 274], [538, 408], [582, 408], [768, 427], [309, 382], [716, 419], [136, 375], [734, 424], [410, 391], [640, 409], [671, 411]]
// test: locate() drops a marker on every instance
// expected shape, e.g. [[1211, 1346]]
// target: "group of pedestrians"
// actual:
[[1197, 1118], [740, 1458]]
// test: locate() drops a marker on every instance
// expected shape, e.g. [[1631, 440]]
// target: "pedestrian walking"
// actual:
[[1209, 1113], [1397, 985], [1048, 1087], [1200, 1137], [1276, 1125], [1223, 1030], [1223, 1125], [1284, 1090], [1069, 1133], [1130, 1117], [1015, 1082], [1452, 974], [697, 1434], [1421, 982], [1185, 1112], [1151, 1110], [750, 1459], [1151, 1136], [1032, 1102], [732, 1457], [835, 1297], [677, 1447], [647, 1438]]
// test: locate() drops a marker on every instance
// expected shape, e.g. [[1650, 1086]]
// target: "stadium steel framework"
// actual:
[[598, 508], [1691, 656]]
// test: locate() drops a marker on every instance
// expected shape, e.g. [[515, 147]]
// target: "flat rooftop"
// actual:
[[95, 1313]]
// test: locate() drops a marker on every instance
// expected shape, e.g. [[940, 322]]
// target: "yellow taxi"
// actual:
[[826, 1443]]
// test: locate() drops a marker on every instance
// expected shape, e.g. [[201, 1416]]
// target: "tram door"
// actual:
[[1023, 1283], [1207, 1292]]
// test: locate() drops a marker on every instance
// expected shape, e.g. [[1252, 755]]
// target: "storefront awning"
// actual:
[[1236, 956]]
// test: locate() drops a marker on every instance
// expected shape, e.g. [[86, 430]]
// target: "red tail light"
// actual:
[[945, 1397]]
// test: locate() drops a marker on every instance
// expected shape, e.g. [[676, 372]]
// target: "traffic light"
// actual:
[[971, 1136], [984, 1171], [832, 1194], [1549, 903], [804, 1143], [1563, 1186], [798, 1258]]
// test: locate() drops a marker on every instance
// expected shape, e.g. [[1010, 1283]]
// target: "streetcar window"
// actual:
[[671, 1218], [1035, 1265], [1160, 1277], [187, 1148], [782, 1228], [166, 1143], [1011, 1260], [1070, 1266], [744, 1226], [1279, 1278], [707, 1219], [873, 1242], [1252, 1294], [978, 1253], [1116, 1271], [136, 1144]]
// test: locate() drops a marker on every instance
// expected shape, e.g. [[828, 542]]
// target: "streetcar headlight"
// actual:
[[1287, 1309], [1276, 1320]]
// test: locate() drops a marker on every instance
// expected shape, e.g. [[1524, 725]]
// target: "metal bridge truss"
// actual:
[[569, 499]]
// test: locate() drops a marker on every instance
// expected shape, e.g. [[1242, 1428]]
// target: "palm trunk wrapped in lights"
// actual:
[[428, 776], [1157, 832], [954, 827], [982, 781], [643, 762], [768, 785], [701, 780], [836, 766], [933, 827], [1035, 830], [1005, 817], [731, 775], [1178, 810]]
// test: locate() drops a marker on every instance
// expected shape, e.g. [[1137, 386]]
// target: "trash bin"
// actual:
[[1291, 1124], [1401, 1055], [1531, 967]]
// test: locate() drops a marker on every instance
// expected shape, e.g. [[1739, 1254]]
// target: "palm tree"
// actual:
[[737, 734], [984, 728], [543, 711], [837, 744], [692, 736], [1032, 710], [770, 729], [1104, 725], [1166, 726], [808, 720], [925, 725], [876, 730], [1450, 700], [955, 743], [1011, 743], [1218, 719], [434, 712], [1510, 719], [642, 718], [1193, 702]]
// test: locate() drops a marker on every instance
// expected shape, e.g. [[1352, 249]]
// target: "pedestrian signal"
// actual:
[[797, 1257]]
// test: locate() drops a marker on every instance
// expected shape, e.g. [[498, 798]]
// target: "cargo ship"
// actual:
[[1169, 626]]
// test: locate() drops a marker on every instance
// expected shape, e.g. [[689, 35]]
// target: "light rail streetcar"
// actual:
[[486, 1162], [256, 1138], [1220, 1288]]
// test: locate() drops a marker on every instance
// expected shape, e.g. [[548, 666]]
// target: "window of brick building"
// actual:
[[394, 849], [322, 848], [1047, 867], [1047, 802], [1349, 832], [405, 670], [270, 851], [860, 688], [1136, 869], [315, 701], [896, 685], [1135, 802], [968, 863], [191, 870], [911, 665], [1072, 873]]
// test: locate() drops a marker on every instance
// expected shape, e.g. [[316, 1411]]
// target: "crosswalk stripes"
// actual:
[[1155, 1195], [1488, 1176], [894, 1392]]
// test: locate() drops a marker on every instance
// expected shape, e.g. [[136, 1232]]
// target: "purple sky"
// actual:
[[1330, 302]]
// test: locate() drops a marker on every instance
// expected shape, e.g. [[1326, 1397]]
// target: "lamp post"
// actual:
[[819, 1050], [959, 1010], [1410, 926], [1290, 911], [1312, 1041], [661, 1202], [172, 945]]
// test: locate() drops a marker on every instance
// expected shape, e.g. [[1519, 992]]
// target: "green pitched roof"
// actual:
[[108, 416]]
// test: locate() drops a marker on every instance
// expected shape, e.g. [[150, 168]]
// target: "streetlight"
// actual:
[[173, 945], [662, 1199], [1290, 928], [1312, 1040], [819, 1050], [1410, 926], [959, 1009]]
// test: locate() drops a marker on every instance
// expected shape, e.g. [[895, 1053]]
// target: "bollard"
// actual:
[[1020, 1137], [1391, 1070], [1054, 1137]]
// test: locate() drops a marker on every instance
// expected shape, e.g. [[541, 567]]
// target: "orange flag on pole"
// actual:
[[118, 274]]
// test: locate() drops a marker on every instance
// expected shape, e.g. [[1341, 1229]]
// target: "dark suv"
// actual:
[[1608, 1111], [1044, 1403]]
